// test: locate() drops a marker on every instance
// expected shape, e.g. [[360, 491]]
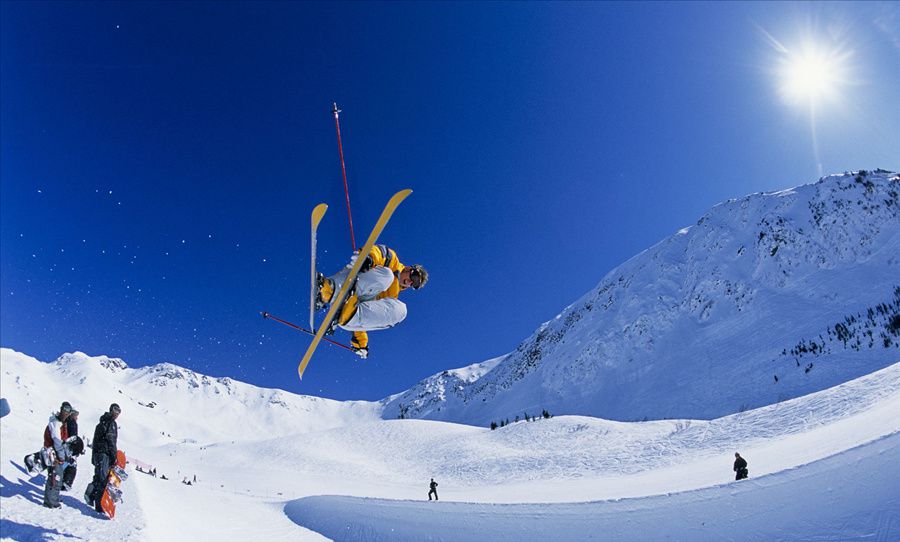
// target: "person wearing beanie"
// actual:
[[54, 435], [103, 455]]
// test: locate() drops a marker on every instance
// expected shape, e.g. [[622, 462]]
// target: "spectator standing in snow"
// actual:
[[106, 435], [740, 467], [54, 435], [433, 491], [68, 479]]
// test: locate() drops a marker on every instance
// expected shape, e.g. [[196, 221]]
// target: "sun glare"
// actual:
[[812, 75]]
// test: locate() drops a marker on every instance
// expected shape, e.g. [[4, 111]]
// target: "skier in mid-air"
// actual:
[[372, 303]]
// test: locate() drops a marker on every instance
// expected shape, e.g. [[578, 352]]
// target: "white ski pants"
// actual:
[[372, 314]]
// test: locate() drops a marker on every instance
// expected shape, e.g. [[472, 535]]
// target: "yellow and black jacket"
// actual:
[[380, 256]]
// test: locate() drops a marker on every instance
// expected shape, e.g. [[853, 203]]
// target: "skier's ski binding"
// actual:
[[324, 291]]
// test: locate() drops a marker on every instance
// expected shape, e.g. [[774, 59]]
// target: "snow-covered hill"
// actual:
[[817, 466], [768, 297], [208, 409], [770, 328]]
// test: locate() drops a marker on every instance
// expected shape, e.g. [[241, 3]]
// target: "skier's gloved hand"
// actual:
[[361, 352], [353, 258]]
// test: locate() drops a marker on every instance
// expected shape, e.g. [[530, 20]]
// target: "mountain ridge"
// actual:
[[749, 287]]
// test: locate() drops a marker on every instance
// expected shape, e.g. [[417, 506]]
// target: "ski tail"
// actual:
[[317, 213], [339, 296]]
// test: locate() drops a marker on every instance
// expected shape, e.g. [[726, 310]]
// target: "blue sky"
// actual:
[[160, 160]]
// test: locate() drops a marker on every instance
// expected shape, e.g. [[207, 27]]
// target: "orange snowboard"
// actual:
[[106, 501]]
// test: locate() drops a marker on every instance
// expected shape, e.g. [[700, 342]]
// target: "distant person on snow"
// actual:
[[68, 479], [433, 491], [372, 303], [54, 436], [106, 435], [740, 467]]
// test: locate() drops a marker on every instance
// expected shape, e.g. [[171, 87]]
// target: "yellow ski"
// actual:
[[317, 214], [351, 277]]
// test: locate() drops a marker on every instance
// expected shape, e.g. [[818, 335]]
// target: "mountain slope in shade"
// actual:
[[767, 297]]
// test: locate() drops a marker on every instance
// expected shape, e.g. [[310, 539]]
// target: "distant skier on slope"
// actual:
[[372, 303], [433, 491], [740, 467]]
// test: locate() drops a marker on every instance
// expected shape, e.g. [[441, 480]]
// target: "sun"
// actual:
[[812, 74]]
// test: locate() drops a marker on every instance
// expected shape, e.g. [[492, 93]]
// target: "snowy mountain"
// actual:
[[302, 468], [768, 297], [209, 408], [800, 285]]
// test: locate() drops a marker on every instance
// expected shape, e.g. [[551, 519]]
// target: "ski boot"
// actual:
[[324, 291]]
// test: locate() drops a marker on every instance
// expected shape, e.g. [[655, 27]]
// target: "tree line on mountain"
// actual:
[[503, 423], [875, 327]]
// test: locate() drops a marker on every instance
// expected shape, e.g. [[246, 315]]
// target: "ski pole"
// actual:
[[302, 329], [337, 127]]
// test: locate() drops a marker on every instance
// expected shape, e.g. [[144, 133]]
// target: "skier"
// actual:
[[740, 467], [68, 478], [433, 486], [54, 435], [106, 435], [372, 303]]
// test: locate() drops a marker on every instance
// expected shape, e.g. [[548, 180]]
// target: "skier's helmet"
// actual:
[[65, 408], [418, 275]]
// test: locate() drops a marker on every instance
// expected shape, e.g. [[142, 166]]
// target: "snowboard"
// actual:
[[112, 494], [341, 294]]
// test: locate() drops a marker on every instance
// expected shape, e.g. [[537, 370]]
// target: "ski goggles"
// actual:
[[415, 276]]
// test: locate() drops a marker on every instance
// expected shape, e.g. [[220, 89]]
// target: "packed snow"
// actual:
[[277, 466], [766, 298]]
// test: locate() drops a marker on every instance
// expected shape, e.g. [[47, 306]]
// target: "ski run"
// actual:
[[271, 465]]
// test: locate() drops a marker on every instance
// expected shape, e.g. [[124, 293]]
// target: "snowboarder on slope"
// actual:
[[372, 303], [54, 435], [740, 467], [433, 486], [103, 456], [68, 478]]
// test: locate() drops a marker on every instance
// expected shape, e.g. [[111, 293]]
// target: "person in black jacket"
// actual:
[[68, 479], [740, 467], [433, 485], [103, 456]]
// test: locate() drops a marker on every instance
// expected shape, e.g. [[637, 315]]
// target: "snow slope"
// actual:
[[794, 505], [768, 297], [818, 467]]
